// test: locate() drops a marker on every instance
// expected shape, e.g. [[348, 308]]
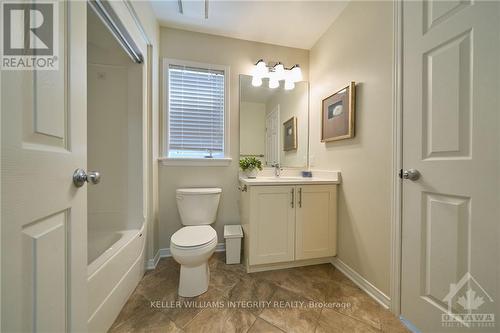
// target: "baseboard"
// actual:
[[285, 265], [361, 282], [165, 252], [221, 247], [151, 263]]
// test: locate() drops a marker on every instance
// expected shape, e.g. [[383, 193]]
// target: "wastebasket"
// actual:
[[233, 235]]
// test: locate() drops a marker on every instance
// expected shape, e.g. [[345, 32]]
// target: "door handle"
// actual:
[[300, 197], [293, 197], [80, 177], [411, 174]]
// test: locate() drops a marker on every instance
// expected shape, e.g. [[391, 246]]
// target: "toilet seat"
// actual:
[[192, 237]]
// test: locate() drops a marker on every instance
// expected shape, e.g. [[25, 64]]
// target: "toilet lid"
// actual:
[[194, 235]]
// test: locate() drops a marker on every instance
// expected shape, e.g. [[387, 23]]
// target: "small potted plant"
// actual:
[[250, 165]]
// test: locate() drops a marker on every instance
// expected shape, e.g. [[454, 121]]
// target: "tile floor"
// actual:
[[152, 307]]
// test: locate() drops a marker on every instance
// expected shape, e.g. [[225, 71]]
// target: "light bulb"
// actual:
[[296, 73], [289, 85], [279, 71], [256, 81], [260, 69], [273, 83]]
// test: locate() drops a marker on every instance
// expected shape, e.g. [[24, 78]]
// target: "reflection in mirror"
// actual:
[[274, 123]]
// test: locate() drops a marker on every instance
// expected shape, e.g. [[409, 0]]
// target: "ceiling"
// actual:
[[289, 23]]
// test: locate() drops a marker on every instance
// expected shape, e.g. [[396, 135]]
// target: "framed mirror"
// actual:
[[274, 123]]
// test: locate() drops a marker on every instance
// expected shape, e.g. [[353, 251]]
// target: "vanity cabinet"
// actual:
[[288, 224], [316, 221], [272, 224]]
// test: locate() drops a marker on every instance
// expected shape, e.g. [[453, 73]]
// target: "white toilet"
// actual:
[[192, 245]]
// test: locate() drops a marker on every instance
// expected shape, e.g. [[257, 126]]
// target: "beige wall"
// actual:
[[358, 47], [240, 55]]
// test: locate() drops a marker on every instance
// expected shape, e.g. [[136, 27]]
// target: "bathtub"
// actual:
[[116, 265]]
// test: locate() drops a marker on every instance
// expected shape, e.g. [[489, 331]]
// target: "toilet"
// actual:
[[192, 245]]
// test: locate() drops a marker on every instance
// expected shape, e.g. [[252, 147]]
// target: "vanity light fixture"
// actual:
[[256, 81], [279, 70], [273, 83], [296, 73], [275, 74], [260, 69]]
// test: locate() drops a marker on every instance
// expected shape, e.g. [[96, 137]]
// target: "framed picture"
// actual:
[[337, 116], [290, 134]]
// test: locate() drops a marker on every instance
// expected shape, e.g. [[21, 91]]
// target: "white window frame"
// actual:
[[183, 161]]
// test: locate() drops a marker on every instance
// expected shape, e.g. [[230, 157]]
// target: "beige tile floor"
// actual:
[[346, 308]]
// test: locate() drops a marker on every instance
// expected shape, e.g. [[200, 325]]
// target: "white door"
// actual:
[[451, 136], [273, 136], [316, 221], [44, 259], [272, 224]]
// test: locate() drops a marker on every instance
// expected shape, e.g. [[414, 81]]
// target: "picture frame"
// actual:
[[338, 113], [290, 134]]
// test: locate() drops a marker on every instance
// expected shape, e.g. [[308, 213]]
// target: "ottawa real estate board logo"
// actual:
[[468, 305], [30, 35]]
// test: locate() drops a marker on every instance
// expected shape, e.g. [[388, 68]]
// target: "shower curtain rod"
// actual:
[[108, 16]]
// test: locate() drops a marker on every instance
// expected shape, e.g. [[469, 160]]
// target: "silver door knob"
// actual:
[[80, 177], [411, 174]]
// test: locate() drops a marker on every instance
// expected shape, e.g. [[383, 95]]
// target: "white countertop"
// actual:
[[287, 181], [294, 178]]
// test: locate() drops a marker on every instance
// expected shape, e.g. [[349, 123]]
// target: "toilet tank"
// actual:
[[198, 206]]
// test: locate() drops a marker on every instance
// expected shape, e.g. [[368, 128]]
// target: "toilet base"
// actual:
[[193, 281]]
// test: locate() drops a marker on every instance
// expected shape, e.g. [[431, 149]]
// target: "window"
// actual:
[[196, 111]]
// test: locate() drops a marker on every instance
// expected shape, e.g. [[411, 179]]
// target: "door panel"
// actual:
[[445, 221], [316, 222], [446, 99], [44, 263], [272, 224], [451, 132], [45, 112], [437, 11], [44, 267]]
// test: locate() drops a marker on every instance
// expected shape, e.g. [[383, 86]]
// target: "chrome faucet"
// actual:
[[277, 169]]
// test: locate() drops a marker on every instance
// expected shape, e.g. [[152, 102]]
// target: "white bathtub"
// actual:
[[116, 267]]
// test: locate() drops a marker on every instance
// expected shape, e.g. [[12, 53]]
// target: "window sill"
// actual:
[[212, 162]]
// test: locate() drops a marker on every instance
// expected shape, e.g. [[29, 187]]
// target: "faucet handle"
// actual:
[[277, 169]]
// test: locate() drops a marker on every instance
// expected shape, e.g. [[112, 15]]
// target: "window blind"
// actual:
[[196, 112]]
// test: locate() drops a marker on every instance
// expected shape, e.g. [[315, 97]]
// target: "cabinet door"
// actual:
[[316, 222], [272, 224]]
